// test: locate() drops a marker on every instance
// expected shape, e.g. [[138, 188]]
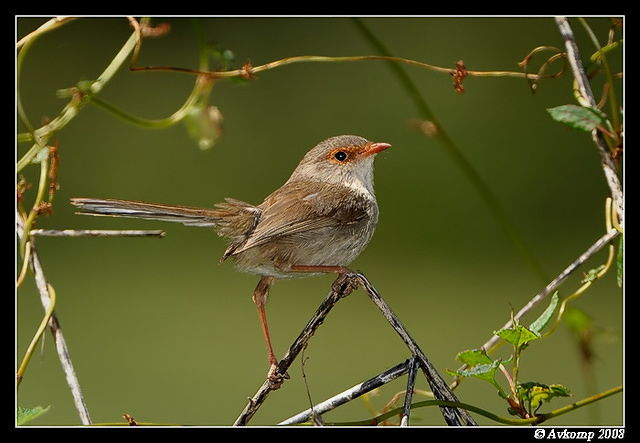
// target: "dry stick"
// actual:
[[337, 292], [556, 282], [54, 326], [96, 233], [411, 382], [573, 55], [353, 392], [342, 287], [316, 418], [608, 166], [439, 387]]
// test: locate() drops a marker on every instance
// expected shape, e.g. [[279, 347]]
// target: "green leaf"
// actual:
[[479, 365], [592, 274], [483, 371], [578, 117], [535, 393], [518, 336], [474, 357], [541, 322], [24, 415]]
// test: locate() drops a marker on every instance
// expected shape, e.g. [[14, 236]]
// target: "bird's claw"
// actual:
[[275, 378], [345, 284]]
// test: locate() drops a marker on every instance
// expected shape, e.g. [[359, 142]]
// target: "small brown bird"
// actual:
[[318, 221]]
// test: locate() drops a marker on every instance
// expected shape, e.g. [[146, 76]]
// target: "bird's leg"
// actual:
[[261, 293], [260, 298], [320, 268]]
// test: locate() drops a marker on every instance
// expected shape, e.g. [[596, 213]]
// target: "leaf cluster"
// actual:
[[525, 398]]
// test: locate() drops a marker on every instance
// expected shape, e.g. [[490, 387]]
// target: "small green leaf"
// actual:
[[592, 274], [534, 393], [578, 117], [518, 336], [24, 415], [479, 365], [474, 357], [484, 371], [541, 322]]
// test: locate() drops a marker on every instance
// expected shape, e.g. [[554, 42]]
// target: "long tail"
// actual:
[[186, 215]]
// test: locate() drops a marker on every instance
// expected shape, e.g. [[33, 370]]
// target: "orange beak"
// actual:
[[374, 148]]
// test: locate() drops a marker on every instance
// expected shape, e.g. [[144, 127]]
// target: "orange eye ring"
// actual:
[[342, 155]]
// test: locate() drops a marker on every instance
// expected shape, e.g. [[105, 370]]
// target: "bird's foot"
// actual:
[[275, 378], [345, 284]]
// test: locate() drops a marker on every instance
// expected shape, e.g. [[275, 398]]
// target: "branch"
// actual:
[[54, 326], [248, 70], [440, 389], [582, 81], [411, 382], [351, 393], [556, 282], [343, 286], [95, 233], [337, 292], [41, 136], [511, 421]]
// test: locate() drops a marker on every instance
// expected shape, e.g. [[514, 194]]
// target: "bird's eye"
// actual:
[[340, 156]]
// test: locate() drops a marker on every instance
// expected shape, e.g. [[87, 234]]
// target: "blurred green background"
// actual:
[[161, 331]]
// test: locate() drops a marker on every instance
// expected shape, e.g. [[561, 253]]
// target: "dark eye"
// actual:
[[340, 156]]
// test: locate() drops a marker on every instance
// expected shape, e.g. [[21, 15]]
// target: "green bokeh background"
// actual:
[[159, 330]]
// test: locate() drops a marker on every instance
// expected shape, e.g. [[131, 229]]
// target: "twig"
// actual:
[[344, 285], [46, 27], [38, 335], [440, 389], [95, 233], [351, 393], [555, 283], [316, 418], [535, 420], [340, 288], [54, 326], [582, 81], [41, 135], [247, 71], [408, 397]]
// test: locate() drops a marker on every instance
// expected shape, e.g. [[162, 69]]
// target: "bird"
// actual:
[[317, 222]]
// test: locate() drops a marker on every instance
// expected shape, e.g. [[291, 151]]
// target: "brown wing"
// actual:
[[293, 210]]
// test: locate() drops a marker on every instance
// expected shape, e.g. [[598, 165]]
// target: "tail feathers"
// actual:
[[236, 219], [186, 215]]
